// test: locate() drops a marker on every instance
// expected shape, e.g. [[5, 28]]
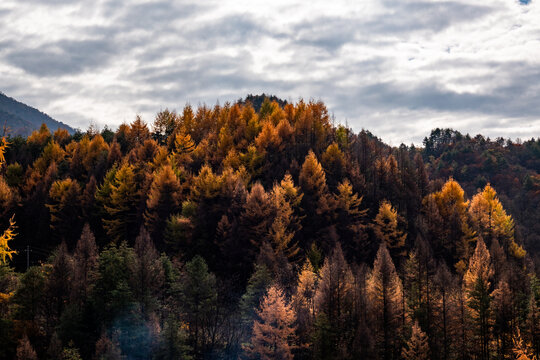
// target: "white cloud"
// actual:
[[398, 68]]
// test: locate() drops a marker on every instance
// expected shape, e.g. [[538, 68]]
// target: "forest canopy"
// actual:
[[261, 229]]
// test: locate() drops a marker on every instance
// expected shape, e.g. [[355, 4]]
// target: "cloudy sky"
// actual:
[[396, 67]]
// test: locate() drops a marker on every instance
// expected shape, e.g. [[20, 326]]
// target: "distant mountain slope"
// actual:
[[22, 119]]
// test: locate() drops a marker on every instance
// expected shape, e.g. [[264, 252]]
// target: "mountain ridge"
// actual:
[[21, 119]]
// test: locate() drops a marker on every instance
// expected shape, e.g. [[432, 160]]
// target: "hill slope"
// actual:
[[22, 119]]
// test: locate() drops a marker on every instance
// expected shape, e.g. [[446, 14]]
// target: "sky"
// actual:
[[398, 68]]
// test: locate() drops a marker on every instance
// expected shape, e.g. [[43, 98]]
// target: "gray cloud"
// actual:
[[63, 57], [404, 17], [391, 66]]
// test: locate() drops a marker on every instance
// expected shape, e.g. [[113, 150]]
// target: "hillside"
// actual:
[[22, 119], [223, 232]]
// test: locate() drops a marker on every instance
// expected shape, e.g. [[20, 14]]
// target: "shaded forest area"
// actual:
[[224, 232]]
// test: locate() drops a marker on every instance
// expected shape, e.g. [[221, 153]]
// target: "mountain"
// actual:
[[22, 119], [257, 101]]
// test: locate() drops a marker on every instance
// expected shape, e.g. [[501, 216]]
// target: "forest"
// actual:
[[260, 229]]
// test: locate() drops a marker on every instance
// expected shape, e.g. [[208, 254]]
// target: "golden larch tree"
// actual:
[[492, 222], [417, 348], [385, 294], [387, 229], [274, 331]]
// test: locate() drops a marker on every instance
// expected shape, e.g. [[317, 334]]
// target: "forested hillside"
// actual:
[[224, 232], [17, 118]]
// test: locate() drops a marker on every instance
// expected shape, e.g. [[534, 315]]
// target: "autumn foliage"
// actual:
[[260, 229]]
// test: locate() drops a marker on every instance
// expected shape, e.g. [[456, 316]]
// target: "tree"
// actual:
[[521, 350], [334, 163], [285, 223], [386, 228], [172, 344], [199, 296], [303, 302], [258, 285], [121, 220], [107, 349], [476, 286], [85, 261], [59, 282], [447, 218], [350, 221], [64, 207], [491, 221], [9, 233], [417, 347], [5, 250], [164, 125], [316, 204], [147, 270], [25, 351], [385, 294], [163, 200], [334, 298], [312, 182], [273, 333]]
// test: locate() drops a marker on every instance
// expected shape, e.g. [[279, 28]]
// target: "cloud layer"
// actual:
[[398, 68]]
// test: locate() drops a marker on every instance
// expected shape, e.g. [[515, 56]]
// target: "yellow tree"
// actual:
[[491, 221], [121, 222], [163, 200], [183, 147], [448, 210], [9, 234], [285, 222], [387, 229], [64, 208], [522, 350], [478, 297], [274, 334]]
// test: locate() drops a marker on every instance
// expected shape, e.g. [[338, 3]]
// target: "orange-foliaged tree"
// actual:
[[274, 332], [163, 200]]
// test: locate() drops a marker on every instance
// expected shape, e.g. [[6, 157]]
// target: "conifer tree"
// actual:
[[350, 221], [417, 348], [491, 221], [5, 251], [303, 302], [313, 182], [199, 296], [385, 294], [284, 225], [387, 229], [274, 331], [521, 350], [163, 200], [477, 290], [503, 313], [183, 147], [85, 260], [258, 285], [59, 281], [257, 217], [25, 351], [147, 270], [334, 163], [453, 237], [64, 207], [122, 208], [334, 297], [107, 349]]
